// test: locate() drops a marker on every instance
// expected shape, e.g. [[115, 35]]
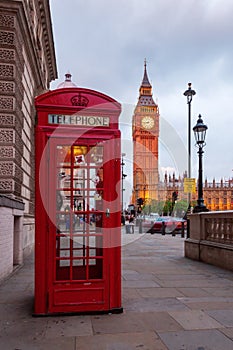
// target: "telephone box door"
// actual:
[[83, 214]]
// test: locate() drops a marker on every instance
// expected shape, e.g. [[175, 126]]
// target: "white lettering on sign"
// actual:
[[82, 120]]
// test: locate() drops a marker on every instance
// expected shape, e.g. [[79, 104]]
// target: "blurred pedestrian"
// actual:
[[131, 223]]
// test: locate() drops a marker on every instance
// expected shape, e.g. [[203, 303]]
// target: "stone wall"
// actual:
[[27, 66], [211, 238]]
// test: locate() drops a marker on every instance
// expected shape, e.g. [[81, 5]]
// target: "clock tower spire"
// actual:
[[145, 132], [145, 80]]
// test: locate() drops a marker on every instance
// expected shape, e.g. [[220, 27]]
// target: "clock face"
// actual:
[[148, 123]]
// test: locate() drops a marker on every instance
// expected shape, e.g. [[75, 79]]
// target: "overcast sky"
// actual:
[[103, 44]]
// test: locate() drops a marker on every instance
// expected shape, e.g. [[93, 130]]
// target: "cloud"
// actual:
[[103, 43]]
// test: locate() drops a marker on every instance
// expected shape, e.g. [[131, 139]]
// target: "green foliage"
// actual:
[[180, 208], [166, 207]]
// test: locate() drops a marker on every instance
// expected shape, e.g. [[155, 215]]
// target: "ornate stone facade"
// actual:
[[27, 66], [216, 195]]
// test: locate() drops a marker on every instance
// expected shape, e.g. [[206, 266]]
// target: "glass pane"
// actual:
[[95, 241], [64, 221], [80, 173], [92, 227], [79, 242], [65, 262], [63, 270], [96, 155], [95, 268], [93, 196], [79, 153], [79, 223], [92, 261], [79, 186], [93, 177], [63, 155], [67, 219], [98, 221], [92, 252], [98, 180], [63, 242], [64, 253], [64, 177], [79, 262], [79, 253], [79, 270]]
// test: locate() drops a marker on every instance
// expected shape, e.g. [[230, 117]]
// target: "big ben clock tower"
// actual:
[[145, 144]]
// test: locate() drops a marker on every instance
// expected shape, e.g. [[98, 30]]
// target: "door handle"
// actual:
[[107, 212]]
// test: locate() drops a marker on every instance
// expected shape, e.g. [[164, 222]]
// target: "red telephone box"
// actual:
[[78, 214]]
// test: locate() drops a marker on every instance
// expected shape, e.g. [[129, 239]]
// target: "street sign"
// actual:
[[189, 185]]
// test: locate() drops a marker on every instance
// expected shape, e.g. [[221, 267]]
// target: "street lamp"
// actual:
[[144, 194], [123, 176], [200, 134], [189, 94]]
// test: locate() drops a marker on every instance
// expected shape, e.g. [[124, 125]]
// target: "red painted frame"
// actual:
[[76, 296]]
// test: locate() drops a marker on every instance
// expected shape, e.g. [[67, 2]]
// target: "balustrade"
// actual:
[[219, 230], [211, 238]]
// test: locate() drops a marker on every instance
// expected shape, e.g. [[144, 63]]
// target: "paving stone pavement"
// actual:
[[169, 302]]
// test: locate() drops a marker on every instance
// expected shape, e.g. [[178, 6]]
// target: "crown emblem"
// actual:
[[79, 100]]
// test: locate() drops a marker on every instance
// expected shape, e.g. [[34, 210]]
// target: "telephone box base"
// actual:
[[111, 311]]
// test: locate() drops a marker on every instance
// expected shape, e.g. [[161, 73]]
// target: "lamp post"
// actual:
[[200, 134], [123, 176], [189, 93], [144, 194]]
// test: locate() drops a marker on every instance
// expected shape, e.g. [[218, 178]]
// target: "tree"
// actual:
[[167, 207], [180, 208]]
